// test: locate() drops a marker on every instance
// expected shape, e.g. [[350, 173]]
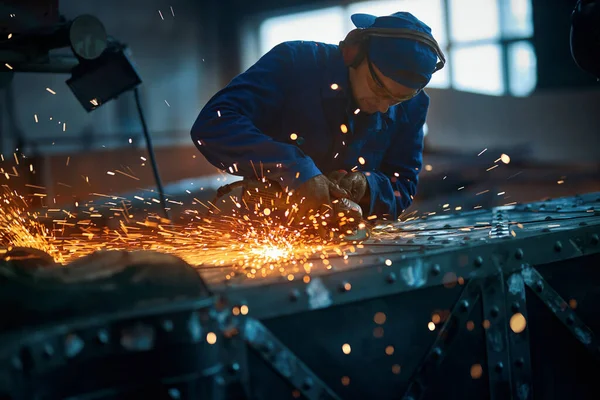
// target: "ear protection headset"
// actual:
[[361, 38]]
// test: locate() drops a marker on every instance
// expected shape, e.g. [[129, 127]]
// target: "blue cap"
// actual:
[[398, 59]]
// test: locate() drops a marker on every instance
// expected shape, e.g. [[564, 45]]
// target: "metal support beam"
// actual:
[[282, 360], [495, 324], [457, 322], [518, 337], [561, 309]]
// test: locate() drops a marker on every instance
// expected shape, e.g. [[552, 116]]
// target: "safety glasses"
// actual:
[[384, 91]]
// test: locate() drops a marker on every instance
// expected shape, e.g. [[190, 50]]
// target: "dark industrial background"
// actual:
[[183, 59]]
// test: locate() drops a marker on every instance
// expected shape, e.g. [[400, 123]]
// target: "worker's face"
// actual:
[[375, 92]]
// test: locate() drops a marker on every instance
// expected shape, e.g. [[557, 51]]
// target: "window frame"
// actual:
[[505, 40]]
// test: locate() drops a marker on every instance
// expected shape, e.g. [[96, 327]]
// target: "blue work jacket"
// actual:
[[291, 116]]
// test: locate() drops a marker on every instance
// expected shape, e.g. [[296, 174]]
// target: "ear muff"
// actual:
[[356, 37], [360, 37]]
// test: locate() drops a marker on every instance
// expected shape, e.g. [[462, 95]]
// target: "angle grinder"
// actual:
[[264, 193]]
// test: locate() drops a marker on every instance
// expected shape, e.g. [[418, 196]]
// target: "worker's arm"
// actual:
[[393, 186], [229, 129]]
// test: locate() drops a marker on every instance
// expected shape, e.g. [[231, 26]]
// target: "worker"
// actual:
[[327, 121], [585, 36]]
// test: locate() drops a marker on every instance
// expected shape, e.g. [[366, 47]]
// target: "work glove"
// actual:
[[355, 183], [315, 196]]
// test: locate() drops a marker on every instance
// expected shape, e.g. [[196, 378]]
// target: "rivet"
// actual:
[[294, 295], [344, 287], [48, 350], [519, 254], [548, 218], [464, 305], [73, 345], [167, 325], [499, 366], [436, 269], [267, 347], [595, 239], [431, 238], [494, 311], [515, 306], [447, 226], [436, 352], [102, 336], [174, 393], [390, 278], [539, 286], [234, 368], [220, 381], [478, 261], [308, 383]]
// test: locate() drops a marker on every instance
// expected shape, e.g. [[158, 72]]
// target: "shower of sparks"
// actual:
[[243, 243], [21, 228], [233, 237]]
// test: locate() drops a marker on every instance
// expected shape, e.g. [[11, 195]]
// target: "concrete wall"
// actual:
[[559, 126]]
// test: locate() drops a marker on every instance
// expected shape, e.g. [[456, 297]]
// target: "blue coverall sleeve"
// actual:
[[230, 130], [394, 185]]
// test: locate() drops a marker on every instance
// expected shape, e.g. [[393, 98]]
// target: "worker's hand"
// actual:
[[355, 183], [315, 196]]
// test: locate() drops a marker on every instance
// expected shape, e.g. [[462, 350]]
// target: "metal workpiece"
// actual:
[[367, 275], [475, 304]]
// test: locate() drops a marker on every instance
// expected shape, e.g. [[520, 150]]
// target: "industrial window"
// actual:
[[490, 48], [327, 25], [487, 42]]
